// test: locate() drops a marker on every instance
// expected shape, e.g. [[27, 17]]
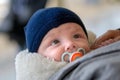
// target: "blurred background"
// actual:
[[98, 16]]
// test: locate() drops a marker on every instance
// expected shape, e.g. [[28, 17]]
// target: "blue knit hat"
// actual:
[[43, 21]]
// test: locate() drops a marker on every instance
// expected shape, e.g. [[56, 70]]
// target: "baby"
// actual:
[[54, 36], [53, 31]]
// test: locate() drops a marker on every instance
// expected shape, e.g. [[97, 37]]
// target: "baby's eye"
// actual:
[[76, 36], [55, 42]]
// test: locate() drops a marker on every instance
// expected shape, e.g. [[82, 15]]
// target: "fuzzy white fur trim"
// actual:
[[91, 37], [33, 66]]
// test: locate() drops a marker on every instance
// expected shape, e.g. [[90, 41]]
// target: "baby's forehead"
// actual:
[[65, 28]]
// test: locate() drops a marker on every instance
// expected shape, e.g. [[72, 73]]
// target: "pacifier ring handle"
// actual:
[[81, 50], [71, 56], [65, 56]]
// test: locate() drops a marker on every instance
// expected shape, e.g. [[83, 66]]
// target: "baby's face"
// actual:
[[67, 37]]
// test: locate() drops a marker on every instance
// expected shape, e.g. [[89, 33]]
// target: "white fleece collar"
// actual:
[[33, 66]]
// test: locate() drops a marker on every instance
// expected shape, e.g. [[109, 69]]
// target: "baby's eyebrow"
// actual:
[[76, 30], [49, 36]]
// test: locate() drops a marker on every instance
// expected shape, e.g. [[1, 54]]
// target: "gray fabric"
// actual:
[[100, 64]]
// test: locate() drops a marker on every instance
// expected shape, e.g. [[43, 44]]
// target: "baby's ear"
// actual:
[[91, 37]]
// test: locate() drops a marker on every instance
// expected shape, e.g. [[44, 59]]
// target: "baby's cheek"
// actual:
[[45, 53], [52, 55], [87, 48], [57, 55]]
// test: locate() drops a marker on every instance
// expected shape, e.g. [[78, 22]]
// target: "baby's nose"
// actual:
[[70, 47]]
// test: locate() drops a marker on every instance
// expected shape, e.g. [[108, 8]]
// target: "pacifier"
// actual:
[[71, 56]]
